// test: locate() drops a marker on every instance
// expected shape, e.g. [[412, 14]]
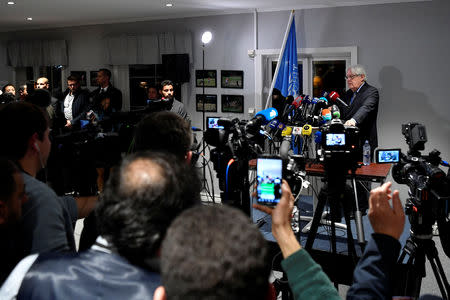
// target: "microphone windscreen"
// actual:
[[268, 114]]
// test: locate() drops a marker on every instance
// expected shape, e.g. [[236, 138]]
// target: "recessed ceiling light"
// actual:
[[169, 4], [11, 2], [29, 19]]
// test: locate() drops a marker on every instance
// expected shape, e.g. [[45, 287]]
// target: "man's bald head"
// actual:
[[141, 198]]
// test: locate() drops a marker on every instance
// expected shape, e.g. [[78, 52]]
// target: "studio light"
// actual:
[[206, 37]]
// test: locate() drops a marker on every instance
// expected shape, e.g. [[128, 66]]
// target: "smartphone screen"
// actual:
[[269, 176], [388, 156]]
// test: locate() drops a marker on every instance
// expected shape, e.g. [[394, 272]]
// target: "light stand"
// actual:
[[206, 38]]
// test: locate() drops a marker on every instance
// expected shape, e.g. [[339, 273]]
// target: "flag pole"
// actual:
[[269, 97]]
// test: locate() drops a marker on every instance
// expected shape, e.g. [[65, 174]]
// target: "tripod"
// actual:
[[336, 176], [419, 248]]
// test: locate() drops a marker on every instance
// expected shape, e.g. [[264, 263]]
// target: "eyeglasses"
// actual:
[[351, 76]]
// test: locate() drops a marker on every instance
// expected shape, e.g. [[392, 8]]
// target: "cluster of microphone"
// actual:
[[297, 119]]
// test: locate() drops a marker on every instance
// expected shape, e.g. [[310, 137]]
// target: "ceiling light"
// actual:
[[169, 4], [11, 2], [29, 19]]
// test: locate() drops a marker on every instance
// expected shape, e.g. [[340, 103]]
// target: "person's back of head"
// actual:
[[39, 97], [163, 131], [142, 197], [19, 121], [11, 192], [214, 252]]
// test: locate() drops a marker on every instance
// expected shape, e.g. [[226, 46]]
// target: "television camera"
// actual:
[[428, 203]]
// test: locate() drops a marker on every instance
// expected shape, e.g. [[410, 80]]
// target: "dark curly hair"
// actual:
[[142, 197], [163, 131], [214, 252], [18, 122]]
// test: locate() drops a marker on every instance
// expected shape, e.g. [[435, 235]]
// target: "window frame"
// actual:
[[306, 56]]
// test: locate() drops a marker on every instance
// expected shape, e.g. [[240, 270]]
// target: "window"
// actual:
[[320, 70], [31, 74], [143, 76]]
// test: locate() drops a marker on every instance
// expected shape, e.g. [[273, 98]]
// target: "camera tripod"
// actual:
[[419, 248], [336, 176]]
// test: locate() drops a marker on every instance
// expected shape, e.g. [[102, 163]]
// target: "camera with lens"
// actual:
[[339, 142], [429, 187]]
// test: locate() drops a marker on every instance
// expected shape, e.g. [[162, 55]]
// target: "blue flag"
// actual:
[[288, 80]]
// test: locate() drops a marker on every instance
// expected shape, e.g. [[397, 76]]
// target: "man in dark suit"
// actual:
[[362, 100], [75, 102], [105, 87]]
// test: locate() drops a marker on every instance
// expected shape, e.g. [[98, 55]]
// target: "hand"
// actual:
[[350, 122], [384, 218], [281, 221], [68, 124]]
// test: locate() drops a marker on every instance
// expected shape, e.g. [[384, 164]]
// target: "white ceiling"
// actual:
[[62, 13]]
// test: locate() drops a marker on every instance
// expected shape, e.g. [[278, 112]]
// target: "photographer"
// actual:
[[373, 274]]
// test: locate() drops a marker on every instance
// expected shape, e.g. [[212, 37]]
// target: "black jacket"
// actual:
[[114, 94], [80, 105], [364, 110]]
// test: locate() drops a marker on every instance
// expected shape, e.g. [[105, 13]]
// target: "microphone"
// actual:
[[195, 128], [262, 117], [326, 115], [288, 109], [335, 97], [306, 130], [335, 112], [318, 137], [286, 143]]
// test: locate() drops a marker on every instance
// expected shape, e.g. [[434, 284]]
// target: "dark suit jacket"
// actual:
[[80, 105], [364, 110], [373, 276], [114, 94]]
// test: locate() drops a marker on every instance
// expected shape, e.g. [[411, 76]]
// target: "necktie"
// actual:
[[353, 98]]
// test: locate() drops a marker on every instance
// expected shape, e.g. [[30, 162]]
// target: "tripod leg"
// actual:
[[439, 274], [358, 216], [315, 224]]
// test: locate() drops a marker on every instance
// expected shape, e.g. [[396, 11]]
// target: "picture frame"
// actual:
[[93, 78], [81, 75], [230, 79], [233, 103], [210, 78], [210, 102]]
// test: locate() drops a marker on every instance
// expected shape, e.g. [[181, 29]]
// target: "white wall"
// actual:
[[404, 47]]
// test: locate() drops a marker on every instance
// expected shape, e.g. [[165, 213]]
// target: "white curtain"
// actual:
[[37, 53], [146, 49]]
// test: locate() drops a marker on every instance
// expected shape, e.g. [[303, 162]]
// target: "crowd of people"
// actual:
[[150, 235]]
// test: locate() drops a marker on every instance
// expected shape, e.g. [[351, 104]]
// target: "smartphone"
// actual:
[[269, 174], [387, 156]]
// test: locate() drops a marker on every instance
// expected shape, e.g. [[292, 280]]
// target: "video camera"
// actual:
[[429, 187], [339, 142]]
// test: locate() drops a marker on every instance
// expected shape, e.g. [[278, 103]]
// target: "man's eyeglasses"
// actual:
[[351, 76]]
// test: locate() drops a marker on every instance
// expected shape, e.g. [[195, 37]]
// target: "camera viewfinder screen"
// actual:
[[388, 156], [212, 123], [335, 139], [269, 174]]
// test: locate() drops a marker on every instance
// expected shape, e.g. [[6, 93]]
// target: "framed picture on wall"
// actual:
[[210, 78], [233, 103], [210, 103], [232, 79], [81, 75], [93, 78]]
